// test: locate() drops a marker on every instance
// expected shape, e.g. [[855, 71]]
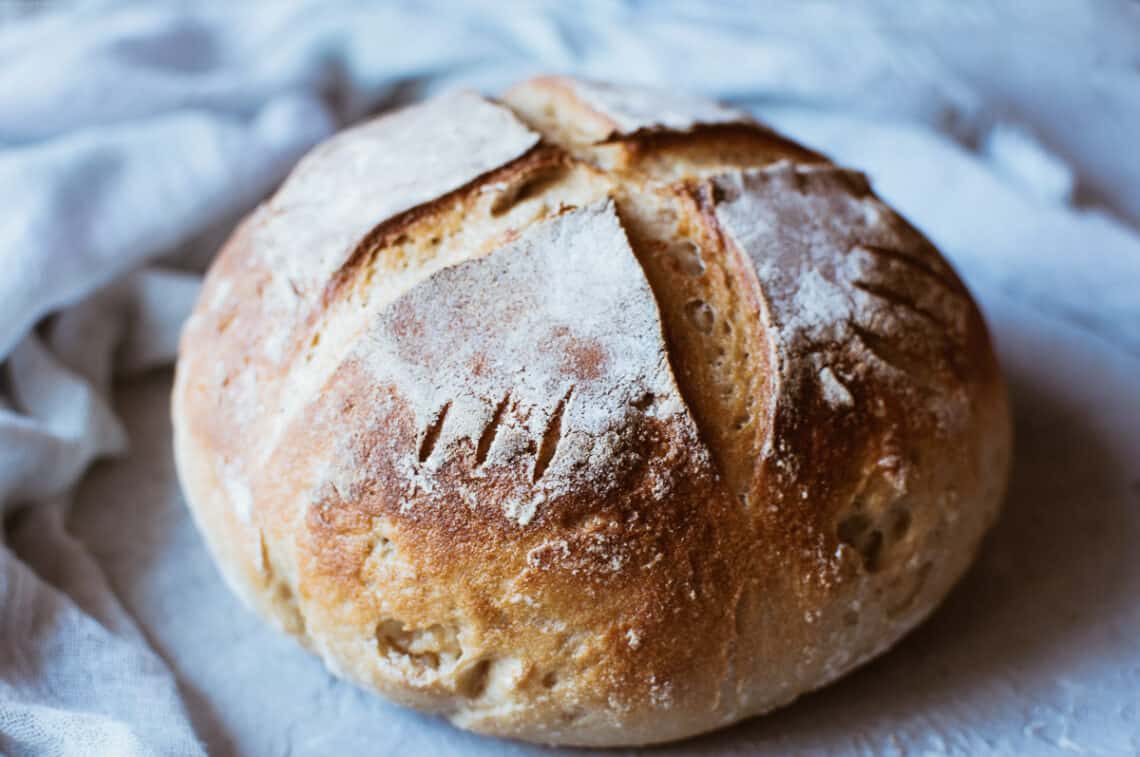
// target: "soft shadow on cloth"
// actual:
[[132, 139]]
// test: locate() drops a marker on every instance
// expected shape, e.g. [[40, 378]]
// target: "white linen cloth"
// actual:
[[132, 137]]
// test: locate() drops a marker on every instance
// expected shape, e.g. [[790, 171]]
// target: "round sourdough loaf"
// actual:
[[594, 415]]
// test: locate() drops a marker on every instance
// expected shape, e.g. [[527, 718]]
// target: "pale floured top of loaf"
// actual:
[[372, 172], [310, 229], [633, 109], [542, 351], [843, 277], [580, 112]]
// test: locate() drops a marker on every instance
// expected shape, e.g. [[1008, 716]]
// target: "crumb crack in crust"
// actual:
[[595, 416]]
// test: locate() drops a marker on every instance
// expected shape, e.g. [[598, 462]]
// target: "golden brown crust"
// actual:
[[615, 439]]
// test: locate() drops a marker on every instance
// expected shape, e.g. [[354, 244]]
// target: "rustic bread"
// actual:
[[595, 416]]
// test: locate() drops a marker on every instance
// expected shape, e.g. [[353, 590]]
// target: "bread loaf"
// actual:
[[594, 415]]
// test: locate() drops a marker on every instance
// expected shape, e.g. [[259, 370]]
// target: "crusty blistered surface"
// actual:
[[604, 416]]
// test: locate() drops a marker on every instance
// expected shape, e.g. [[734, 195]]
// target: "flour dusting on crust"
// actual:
[[632, 109], [838, 270], [370, 173], [548, 350], [835, 392]]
